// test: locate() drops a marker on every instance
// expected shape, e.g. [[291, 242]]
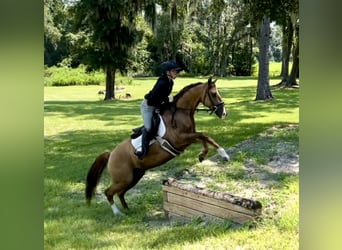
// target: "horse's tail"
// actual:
[[94, 175]]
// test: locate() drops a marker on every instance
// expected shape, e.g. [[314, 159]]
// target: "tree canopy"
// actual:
[[111, 33], [220, 37]]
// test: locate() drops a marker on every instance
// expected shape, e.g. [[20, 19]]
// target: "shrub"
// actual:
[[66, 76]]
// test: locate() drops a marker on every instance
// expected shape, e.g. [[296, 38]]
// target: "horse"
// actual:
[[124, 167]]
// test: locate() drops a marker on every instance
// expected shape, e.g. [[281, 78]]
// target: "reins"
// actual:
[[203, 109], [197, 109]]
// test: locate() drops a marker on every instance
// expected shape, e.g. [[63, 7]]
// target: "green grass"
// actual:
[[274, 69], [78, 126]]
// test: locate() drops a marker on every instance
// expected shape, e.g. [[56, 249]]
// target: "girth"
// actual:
[[166, 145]]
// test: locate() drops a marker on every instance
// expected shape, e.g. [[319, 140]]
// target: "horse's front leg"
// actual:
[[197, 136], [204, 152], [206, 139]]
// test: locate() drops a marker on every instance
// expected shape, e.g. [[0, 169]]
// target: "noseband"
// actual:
[[214, 106]]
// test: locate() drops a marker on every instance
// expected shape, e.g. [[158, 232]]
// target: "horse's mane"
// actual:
[[182, 91], [172, 105]]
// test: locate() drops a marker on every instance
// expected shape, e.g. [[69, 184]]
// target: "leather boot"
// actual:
[[145, 141]]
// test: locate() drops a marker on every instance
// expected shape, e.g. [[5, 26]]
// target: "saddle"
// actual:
[[156, 133]]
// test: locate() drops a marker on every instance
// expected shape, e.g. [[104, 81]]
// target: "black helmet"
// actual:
[[169, 65]]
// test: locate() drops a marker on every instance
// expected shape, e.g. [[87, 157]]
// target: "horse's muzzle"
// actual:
[[224, 114], [220, 110]]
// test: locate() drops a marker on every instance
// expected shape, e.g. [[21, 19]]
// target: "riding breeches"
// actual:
[[147, 113]]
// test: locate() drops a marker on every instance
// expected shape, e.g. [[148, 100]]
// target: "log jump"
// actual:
[[183, 201]]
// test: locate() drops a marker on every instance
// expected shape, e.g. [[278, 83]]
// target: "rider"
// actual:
[[153, 101]]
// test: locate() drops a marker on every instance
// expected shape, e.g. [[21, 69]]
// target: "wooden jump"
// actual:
[[182, 202]]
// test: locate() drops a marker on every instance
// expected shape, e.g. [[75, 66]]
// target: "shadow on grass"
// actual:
[[283, 99], [101, 110]]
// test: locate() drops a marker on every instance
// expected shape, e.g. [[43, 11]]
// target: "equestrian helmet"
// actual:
[[169, 65]]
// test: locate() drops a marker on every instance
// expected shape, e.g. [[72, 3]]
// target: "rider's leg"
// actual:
[[147, 113], [145, 141]]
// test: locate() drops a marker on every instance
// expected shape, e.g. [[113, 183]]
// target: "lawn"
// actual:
[[79, 125]]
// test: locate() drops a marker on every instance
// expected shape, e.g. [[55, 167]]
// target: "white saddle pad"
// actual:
[[161, 132]]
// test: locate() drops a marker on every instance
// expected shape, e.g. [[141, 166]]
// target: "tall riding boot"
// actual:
[[145, 141]]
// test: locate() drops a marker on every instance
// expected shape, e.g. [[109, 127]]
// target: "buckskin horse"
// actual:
[[125, 169]]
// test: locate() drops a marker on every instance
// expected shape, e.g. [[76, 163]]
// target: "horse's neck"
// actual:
[[191, 98]]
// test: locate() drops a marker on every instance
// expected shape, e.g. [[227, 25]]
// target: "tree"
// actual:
[[140, 62], [288, 17], [167, 41], [263, 87], [295, 65], [55, 21], [287, 40], [266, 11], [222, 35], [111, 28], [260, 13], [293, 12]]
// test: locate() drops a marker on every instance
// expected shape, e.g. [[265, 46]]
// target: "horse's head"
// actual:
[[213, 100]]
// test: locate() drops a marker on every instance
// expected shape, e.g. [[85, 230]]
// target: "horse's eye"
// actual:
[[214, 94]]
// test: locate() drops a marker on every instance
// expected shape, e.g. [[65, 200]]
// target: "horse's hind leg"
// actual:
[[110, 192], [117, 187], [137, 175]]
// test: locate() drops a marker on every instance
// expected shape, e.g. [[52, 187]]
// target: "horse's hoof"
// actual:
[[116, 210], [200, 158], [223, 154], [226, 158]]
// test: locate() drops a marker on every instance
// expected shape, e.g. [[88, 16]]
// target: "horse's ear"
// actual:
[[211, 81]]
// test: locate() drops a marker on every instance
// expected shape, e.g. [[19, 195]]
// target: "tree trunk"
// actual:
[[110, 83], [263, 88], [286, 51], [224, 60], [233, 71], [295, 65], [250, 62]]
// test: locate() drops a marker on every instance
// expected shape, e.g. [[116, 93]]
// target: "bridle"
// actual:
[[212, 109], [214, 106]]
